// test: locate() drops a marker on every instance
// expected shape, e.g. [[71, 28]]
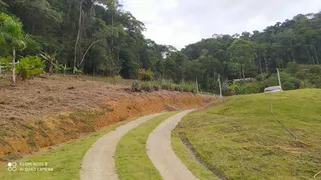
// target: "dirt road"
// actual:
[[161, 154], [99, 163]]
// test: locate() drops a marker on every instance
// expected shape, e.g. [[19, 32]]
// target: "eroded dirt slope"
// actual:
[[45, 112]]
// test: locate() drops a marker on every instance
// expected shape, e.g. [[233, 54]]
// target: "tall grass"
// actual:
[[168, 85]]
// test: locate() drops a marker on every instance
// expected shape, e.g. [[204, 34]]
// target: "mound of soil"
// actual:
[[46, 112]]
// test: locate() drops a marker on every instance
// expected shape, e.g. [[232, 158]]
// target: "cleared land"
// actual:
[[132, 161], [241, 139], [51, 110]]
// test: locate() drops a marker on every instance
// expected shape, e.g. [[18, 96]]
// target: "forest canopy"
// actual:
[[99, 37]]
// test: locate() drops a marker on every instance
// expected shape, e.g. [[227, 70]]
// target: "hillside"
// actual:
[[42, 112], [240, 139]]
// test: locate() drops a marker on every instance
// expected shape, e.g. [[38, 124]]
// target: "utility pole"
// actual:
[[279, 78], [219, 82]]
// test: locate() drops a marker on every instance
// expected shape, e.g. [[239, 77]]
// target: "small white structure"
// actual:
[[273, 89]]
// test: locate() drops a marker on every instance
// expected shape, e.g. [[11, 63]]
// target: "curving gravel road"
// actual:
[[99, 163], [161, 154]]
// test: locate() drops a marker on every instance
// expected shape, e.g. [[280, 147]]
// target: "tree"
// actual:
[[12, 35], [242, 52], [51, 59]]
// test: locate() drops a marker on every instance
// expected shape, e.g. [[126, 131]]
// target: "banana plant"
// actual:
[[51, 59]]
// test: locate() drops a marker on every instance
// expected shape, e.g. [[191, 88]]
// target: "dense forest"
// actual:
[[99, 37]]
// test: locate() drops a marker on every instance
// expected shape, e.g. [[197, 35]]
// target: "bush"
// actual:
[[317, 82], [146, 87], [168, 85], [155, 86], [144, 75], [295, 81], [307, 84], [288, 86], [261, 77], [228, 90], [311, 76], [29, 66], [252, 88], [135, 86], [188, 87], [243, 87]]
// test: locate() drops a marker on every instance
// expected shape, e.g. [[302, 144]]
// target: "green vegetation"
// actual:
[[168, 85], [145, 75], [29, 66], [99, 37], [190, 161], [65, 160], [132, 161], [12, 36], [241, 139], [294, 77]]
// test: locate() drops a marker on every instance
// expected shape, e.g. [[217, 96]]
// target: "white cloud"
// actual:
[[181, 22]]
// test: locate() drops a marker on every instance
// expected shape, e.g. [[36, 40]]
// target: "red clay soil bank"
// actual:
[[49, 131]]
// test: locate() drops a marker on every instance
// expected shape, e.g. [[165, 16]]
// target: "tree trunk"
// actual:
[[293, 56], [243, 73], [78, 36], [265, 62], [83, 57], [316, 55], [14, 67], [260, 64], [311, 60], [51, 68]]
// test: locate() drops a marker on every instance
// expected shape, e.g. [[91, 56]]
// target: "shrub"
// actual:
[[29, 66], [261, 77], [116, 79], [156, 87], [317, 82], [144, 75], [146, 87], [228, 90], [295, 81], [288, 86], [271, 81], [252, 88], [311, 76], [135, 86], [307, 84], [188, 87], [168, 85]]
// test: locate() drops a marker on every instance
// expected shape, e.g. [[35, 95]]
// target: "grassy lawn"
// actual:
[[65, 161], [132, 161], [191, 163], [241, 139]]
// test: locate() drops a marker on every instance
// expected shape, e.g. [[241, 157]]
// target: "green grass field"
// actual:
[[132, 161], [65, 161], [240, 139], [190, 161]]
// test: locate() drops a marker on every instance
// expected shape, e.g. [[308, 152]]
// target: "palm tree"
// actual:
[[12, 35]]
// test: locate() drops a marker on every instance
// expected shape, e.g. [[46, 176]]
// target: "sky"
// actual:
[[182, 22]]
